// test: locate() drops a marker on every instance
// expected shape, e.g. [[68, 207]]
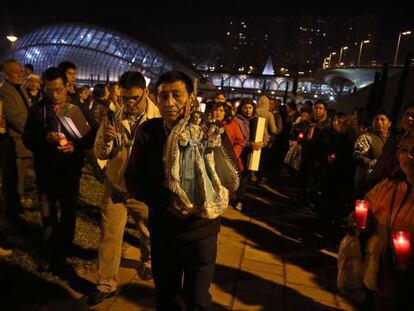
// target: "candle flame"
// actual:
[[401, 239]]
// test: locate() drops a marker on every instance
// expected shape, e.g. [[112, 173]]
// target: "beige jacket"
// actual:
[[117, 157]]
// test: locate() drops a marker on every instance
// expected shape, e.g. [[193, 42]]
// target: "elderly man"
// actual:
[[183, 247], [16, 156]]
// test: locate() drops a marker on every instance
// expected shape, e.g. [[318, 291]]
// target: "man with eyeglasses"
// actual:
[[113, 143], [15, 156], [387, 162], [58, 160]]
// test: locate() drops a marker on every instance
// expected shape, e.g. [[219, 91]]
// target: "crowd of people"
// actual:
[[333, 159]]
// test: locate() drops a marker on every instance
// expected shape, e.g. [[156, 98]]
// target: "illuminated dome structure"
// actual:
[[100, 54]]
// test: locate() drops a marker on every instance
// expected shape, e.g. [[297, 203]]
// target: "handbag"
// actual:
[[349, 279]]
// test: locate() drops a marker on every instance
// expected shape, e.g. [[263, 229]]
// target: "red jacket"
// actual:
[[236, 138]]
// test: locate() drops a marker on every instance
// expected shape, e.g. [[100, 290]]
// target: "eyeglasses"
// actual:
[[134, 100]]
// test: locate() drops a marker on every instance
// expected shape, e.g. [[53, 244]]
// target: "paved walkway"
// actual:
[[270, 257]]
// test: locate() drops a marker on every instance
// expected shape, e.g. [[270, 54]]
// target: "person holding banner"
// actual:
[[255, 137]]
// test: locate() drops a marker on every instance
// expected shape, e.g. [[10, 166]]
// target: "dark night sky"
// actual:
[[187, 20]]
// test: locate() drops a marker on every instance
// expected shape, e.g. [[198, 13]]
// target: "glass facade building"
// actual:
[[100, 54]]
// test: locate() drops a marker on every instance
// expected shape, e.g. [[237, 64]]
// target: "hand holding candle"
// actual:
[[402, 247], [361, 213]]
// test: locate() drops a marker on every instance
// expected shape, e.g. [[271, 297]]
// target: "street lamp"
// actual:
[[360, 50], [330, 58], [340, 54], [324, 64], [402, 33], [12, 39]]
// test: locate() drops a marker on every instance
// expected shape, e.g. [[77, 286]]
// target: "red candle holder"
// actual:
[[402, 248], [361, 213], [332, 157]]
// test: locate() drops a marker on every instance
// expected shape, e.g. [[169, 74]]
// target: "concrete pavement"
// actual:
[[270, 257]]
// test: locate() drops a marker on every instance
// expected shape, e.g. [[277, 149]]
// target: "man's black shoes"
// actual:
[[96, 296]]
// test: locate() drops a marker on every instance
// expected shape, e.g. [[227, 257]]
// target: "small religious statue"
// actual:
[[191, 146], [190, 166]]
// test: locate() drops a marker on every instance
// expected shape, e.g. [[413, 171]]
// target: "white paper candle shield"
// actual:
[[74, 122], [254, 156]]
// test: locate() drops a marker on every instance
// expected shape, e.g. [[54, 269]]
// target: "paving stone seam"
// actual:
[[119, 295], [284, 292], [233, 296]]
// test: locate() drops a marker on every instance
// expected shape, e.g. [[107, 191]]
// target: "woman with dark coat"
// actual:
[[246, 118]]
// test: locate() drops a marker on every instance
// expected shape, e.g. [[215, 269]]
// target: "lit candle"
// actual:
[[332, 157], [402, 248], [301, 136], [361, 212], [62, 140]]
